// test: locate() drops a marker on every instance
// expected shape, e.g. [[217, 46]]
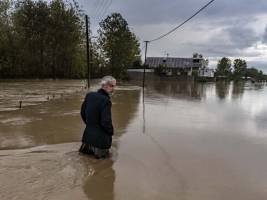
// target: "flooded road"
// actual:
[[184, 140], [35, 92]]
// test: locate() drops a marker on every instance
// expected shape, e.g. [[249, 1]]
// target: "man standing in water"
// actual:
[[96, 114]]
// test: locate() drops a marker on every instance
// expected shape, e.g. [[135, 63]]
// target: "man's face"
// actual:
[[110, 87]]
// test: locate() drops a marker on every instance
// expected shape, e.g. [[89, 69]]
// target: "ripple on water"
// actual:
[[18, 120], [54, 177]]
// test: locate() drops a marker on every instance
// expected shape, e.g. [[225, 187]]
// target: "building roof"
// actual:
[[171, 62]]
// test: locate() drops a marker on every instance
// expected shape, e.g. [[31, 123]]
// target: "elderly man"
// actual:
[[96, 114]]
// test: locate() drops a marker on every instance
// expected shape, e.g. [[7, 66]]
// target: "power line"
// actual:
[[102, 5], [160, 37], [105, 11], [98, 8], [103, 8], [96, 4]]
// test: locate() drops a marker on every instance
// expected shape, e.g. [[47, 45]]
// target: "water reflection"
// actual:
[[194, 91], [188, 90], [144, 110], [238, 89], [100, 185], [125, 104], [222, 89], [261, 120]]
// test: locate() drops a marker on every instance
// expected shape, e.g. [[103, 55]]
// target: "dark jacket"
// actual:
[[96, 114]]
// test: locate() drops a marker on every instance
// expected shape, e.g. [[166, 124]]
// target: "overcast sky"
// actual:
[[231, 28]]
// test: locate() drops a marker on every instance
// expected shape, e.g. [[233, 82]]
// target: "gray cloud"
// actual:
[[216, 49], [265, 36], [158, 11], [232, 39], [226, 28], [259, 65], [141, 12], [241, 36]]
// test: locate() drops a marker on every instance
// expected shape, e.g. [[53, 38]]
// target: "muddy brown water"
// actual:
[[184, 140]]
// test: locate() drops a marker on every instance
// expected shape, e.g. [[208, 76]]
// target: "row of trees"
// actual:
[[237, 70], [40, 39]]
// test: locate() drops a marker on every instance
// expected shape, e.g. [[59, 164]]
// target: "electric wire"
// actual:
[[98, 8], [106, 9], [174, 29], [102, 5]]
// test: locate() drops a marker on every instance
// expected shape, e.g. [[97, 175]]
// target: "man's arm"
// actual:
[[106, 121], [83, 108]]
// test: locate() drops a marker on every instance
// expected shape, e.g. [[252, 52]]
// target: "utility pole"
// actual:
[[144, 73], [143, 96], [87, 51], [91, 58]]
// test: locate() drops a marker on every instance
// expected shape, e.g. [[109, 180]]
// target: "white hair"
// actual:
[[106, 80]]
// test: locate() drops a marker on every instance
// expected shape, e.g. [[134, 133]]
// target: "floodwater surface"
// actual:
[[177, 140]]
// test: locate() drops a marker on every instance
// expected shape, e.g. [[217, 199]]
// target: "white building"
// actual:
[[206, 72]]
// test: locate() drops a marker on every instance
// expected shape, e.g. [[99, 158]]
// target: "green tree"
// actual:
[[48, 40], [31, 21], [224, 67], [240, 67], [6, 40], [252, 72], [137, 63], [120, 46], [98, 61], [261, 76], [65, 38], [255, 73]]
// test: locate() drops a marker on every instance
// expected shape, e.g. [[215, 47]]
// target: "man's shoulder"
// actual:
[[91, 93], [97, 95]]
